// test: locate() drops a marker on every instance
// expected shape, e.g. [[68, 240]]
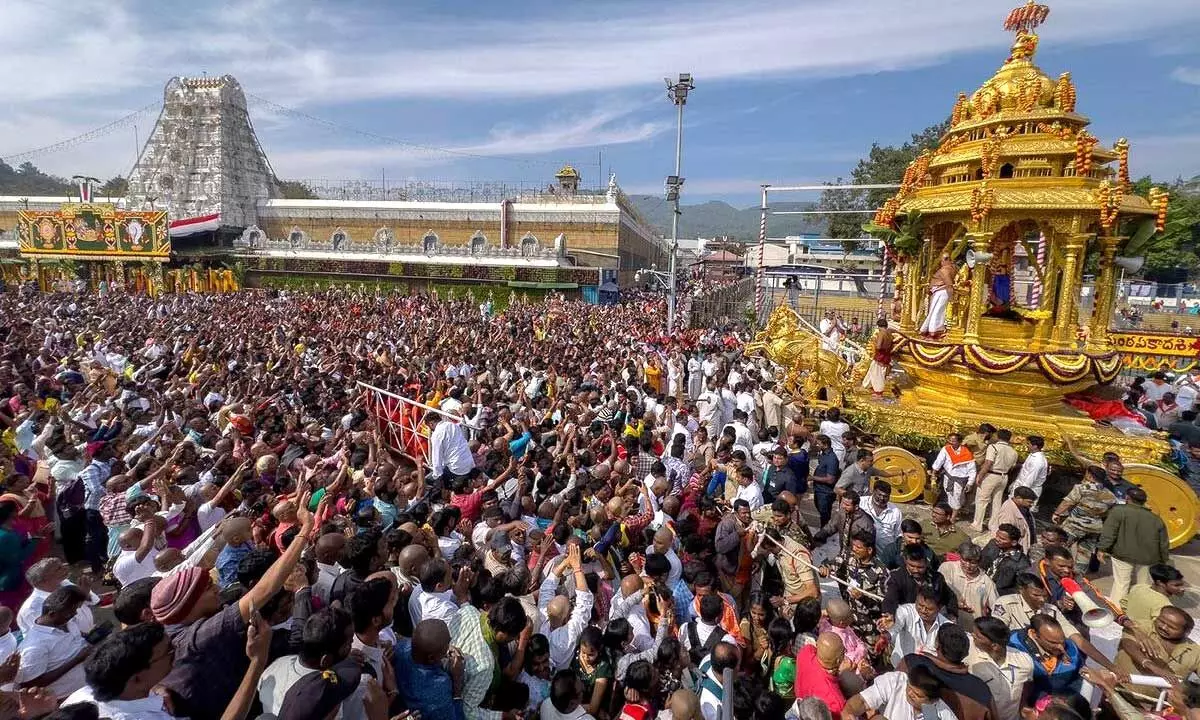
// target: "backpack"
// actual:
[[707, 683], [69, 502], [700, 651]]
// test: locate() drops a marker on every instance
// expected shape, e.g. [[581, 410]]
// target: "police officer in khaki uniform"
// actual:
[[998, 459]]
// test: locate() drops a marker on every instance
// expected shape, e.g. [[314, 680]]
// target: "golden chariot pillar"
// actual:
[[1104, 295], [1070, 288], [979, 243]]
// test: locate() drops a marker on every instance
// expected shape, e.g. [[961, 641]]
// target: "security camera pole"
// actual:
[[677, 91]]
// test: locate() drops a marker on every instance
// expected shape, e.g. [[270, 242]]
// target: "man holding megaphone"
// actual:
[[1074, 594]]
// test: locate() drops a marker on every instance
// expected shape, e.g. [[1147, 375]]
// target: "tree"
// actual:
[[295, 190], [883, 165], [115, 187], [1172, 257], [27, 179]]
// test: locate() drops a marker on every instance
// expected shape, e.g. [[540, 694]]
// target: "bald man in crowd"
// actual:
[[817, 670], [426, 685], [627, 603], [328, 550]]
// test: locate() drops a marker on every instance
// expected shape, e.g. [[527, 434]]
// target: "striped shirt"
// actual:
[[93, 477]]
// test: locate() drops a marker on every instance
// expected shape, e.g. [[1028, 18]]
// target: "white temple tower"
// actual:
[[203, 157]]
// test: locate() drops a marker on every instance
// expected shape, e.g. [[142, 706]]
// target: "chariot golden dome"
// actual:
[[1019, 85], [1017, 144]]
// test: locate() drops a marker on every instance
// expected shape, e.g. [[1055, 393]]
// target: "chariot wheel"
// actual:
[[910, 482], [1171, 498]]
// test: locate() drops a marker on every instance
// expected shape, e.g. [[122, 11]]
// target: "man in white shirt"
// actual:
[[728, 405], [914, 627], [371, 607], [564, 624], [627, 603], [680, 428], [914, 695], [437, 596], [1034, 469], [328, 637], [724, 657], [887, 519], [328, 551], [52, 653], [700, 636], [136, 560], [448, 448], [957, 464], [453, 402], [664, 544], [1157, 387], [46, 576], [741, 430], [746, 403], [749, 489], [119, 685], [709, 405], [1185, 393], [833, 428]]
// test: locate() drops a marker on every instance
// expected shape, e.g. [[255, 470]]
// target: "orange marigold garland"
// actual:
[[1026, 18], [1159, 199], [886, 215], [1122, 148], [982, 198], [1085, 143], [960, 111], [1064, 93], [1058, 130], [1110, 198]]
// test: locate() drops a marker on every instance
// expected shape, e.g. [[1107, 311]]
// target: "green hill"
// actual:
[[715, 218]]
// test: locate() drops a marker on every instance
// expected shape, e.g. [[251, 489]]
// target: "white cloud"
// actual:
[[634, 45], [1164, 157], [295, 51], [63, 59], [608, 125], [1189, 75]]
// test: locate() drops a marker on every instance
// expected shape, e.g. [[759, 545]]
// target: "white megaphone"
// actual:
[[1129, 264], [1094, 616], [974, 258]]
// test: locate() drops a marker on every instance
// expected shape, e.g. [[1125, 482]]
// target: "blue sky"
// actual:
[[787, 91]]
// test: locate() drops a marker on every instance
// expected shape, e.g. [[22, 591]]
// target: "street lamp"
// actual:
[[677, 92]]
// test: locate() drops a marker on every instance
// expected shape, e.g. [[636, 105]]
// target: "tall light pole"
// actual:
[[677, 91]]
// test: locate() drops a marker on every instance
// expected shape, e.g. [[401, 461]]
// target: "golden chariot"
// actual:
[[1017, 168]]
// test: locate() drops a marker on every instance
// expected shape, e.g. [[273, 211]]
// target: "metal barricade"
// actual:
[[401, 421]]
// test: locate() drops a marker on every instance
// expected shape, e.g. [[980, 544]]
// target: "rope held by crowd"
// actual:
[[790, 553]]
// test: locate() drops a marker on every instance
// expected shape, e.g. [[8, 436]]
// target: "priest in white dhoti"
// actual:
[[941, 288]]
